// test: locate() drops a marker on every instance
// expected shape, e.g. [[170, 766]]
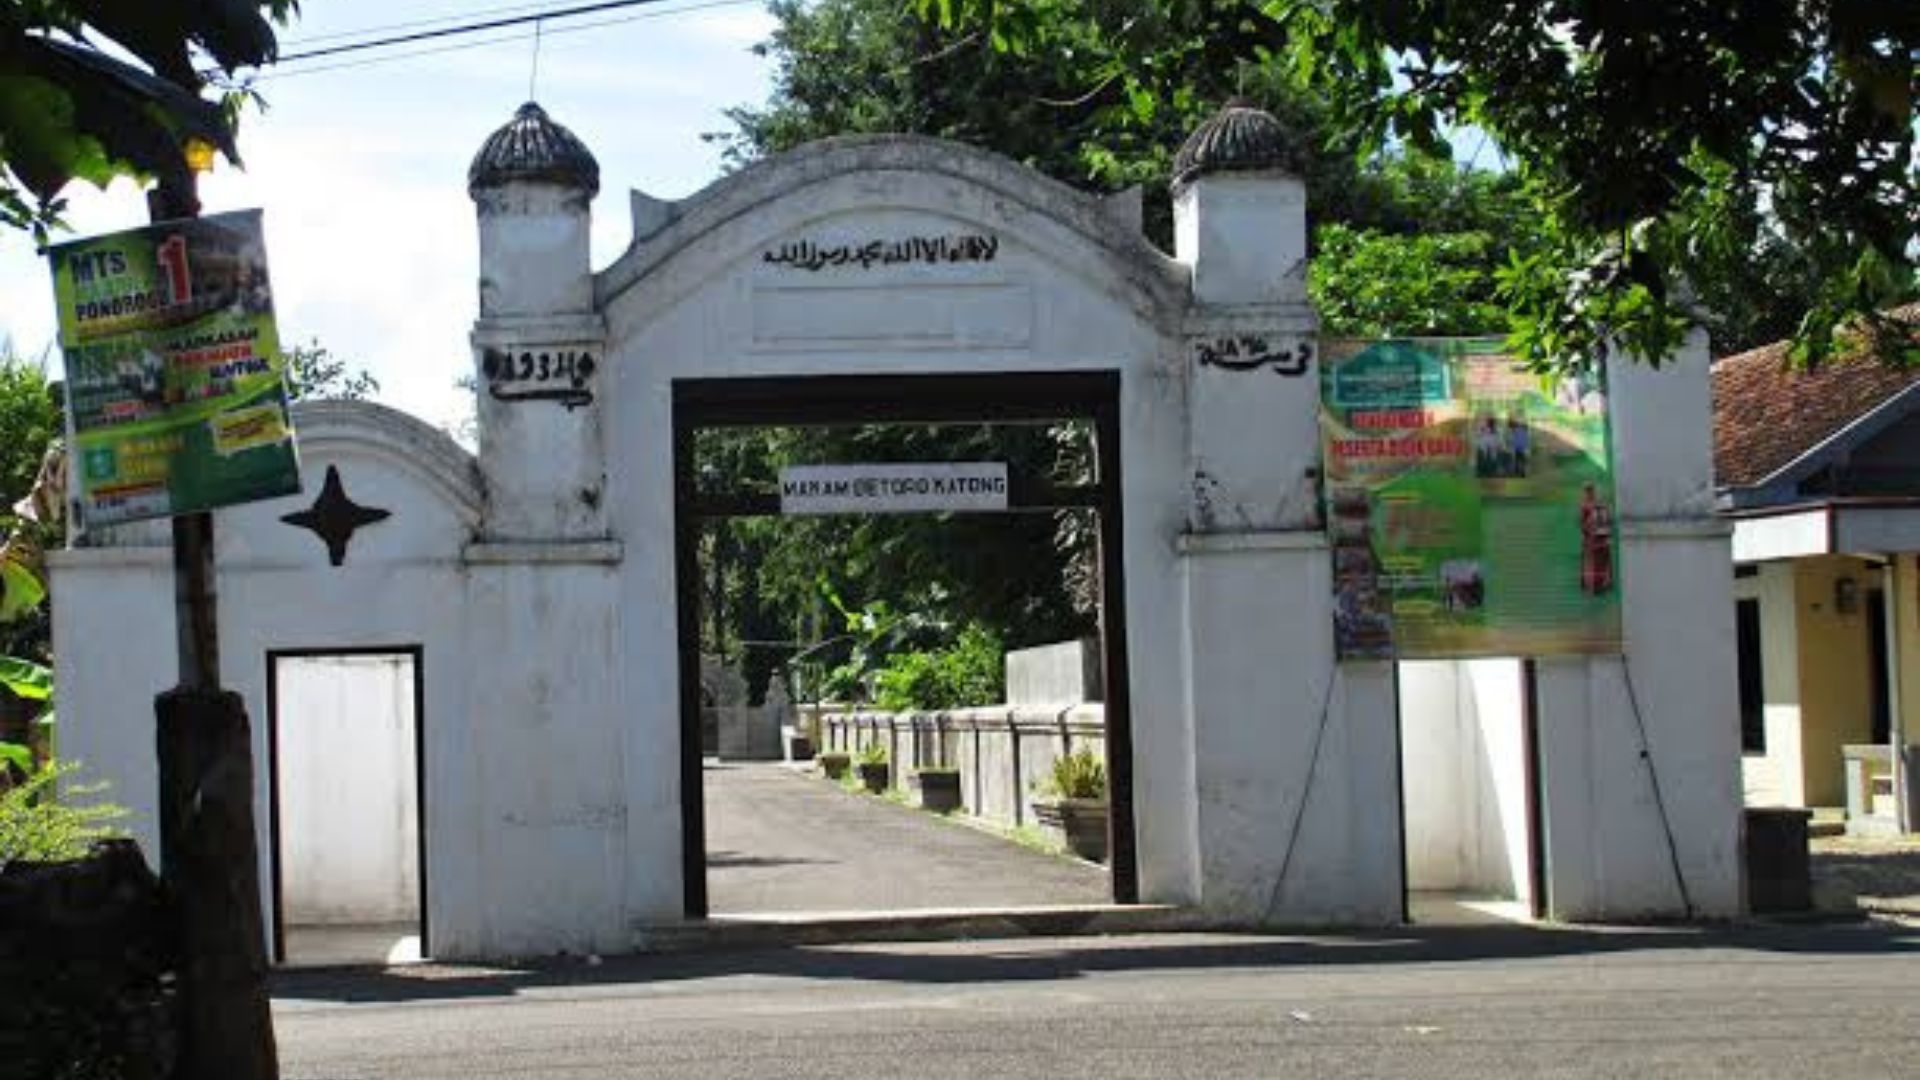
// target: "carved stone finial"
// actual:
[[1241, 137], [533, 147]]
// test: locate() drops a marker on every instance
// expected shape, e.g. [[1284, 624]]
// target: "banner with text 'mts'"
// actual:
[[176, 391], [1469, 503]]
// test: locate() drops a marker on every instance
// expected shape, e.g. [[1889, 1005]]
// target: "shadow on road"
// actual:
[[1033, 959]]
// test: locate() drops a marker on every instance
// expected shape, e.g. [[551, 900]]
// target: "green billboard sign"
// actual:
[[1469, 504], [176, 390]]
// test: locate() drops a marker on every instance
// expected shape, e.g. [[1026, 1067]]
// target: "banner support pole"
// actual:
[[209, 859]]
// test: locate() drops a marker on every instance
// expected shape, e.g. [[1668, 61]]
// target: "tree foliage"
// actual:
[[1663, 142], [863, 66], [314, 373], [72, 108], [909, 586], [863, 588], [30, 422]]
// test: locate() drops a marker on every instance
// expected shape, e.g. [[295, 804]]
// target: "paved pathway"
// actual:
[[779, 840]]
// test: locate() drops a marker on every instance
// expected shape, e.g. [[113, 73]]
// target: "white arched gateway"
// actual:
[[535, 589]]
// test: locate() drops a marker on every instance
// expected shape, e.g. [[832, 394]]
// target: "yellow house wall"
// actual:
[[1835, 673], [1904, 595]]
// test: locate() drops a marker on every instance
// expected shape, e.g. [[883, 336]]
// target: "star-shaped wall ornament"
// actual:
[[334, 518]]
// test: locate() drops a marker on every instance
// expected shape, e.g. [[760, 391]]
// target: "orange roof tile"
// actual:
[[1766, 414]]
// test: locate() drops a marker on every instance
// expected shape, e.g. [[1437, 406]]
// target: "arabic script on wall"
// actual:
[[930, 250]]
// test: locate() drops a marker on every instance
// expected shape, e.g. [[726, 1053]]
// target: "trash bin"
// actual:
[[1779, 873]]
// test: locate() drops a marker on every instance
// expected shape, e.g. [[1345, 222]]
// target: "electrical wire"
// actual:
[[462, 29], [415, 24], [275, 74], [1306, 793], [1653, 776]]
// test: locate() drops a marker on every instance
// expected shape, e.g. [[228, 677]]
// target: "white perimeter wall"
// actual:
[[1463, 769], [349, 815]]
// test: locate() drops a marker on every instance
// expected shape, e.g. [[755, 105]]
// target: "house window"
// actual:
[[1753, 695]]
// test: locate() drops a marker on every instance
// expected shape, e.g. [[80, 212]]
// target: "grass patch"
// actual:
[[1035, 837]]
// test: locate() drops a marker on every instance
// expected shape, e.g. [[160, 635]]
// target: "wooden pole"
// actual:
[[209, 859]]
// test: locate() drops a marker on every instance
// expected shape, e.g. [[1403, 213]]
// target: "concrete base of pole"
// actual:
[[209, 871]]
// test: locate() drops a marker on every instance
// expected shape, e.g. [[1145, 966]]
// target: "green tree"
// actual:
[[1662, 142], [774, 586], [853, 66], [1077, 114], [30, 422], [865, 66], [71, 109], [314, 373]]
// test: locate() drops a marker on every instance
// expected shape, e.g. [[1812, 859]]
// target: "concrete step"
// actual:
[[777, 929], [1827, 821]]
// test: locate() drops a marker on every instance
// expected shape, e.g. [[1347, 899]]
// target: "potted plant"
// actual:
[[1072, 803], [871, 766], [937, 790], [832, 765]]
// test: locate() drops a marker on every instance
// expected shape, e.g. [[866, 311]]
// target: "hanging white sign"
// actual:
[[893, 489]]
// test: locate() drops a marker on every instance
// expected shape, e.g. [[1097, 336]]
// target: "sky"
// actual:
[[361, 171]]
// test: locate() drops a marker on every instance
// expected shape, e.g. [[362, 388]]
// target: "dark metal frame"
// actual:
[[820, 400], [418, 655], [1536, 805]]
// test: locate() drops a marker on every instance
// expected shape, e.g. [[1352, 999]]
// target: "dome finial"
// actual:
[[1241, 137], [532, 147]]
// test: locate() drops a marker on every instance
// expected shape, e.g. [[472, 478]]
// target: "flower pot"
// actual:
[[1079, 824], [834, 766], [937, 790], [873, 775]]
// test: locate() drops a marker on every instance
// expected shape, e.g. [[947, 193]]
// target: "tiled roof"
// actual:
[[1767, 414]]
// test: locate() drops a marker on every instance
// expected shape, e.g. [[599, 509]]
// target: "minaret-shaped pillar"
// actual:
[[542, 575], [539, 343], [1295, 758]]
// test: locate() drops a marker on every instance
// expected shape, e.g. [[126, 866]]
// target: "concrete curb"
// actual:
[[841, 928]]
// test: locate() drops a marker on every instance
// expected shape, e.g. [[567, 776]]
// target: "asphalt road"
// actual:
[[1827, 1002], [781, 840]]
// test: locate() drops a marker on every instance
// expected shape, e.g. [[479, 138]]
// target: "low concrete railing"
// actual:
[[1002, 752]]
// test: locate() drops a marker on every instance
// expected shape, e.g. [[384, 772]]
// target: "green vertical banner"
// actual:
[[176, 388], [1469, 504]]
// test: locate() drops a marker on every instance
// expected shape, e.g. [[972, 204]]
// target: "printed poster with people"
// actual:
[[1469, 503], [176, 393]]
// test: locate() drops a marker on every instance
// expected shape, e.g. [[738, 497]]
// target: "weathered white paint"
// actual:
[[1783, 536], [1777, 591], [1464, 771], [538, 579], [1063, 673], [345, 763]]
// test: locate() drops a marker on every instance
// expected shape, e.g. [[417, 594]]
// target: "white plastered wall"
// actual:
[[1464, 773], [1265, 774], [346, 768], [1640, 755], [1069, 289], [522, 780]]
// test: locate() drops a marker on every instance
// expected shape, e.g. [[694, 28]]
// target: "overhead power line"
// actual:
[[274, 74], [300, 41], [462, 29]]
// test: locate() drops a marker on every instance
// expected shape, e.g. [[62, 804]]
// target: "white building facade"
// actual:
[[535, 583]]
